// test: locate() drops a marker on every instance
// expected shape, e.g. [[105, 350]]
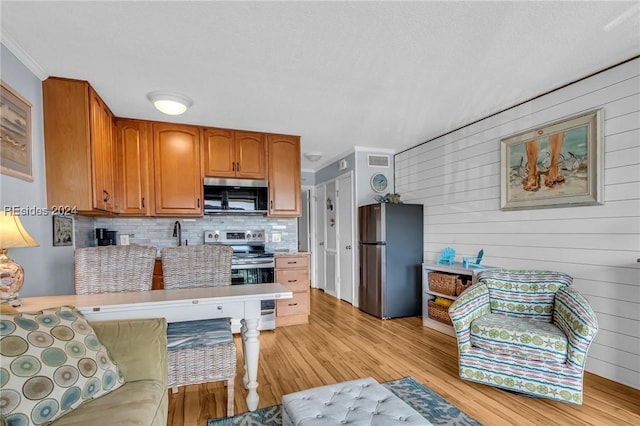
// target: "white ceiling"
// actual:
[[339, 74]]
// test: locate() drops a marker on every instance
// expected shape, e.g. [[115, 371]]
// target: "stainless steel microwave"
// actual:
[[235, 196]]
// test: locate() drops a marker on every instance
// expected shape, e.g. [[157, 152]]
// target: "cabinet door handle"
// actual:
[[237, 167], [107, 197], [292, 304], [143, 202], [292, 281], [271, 204], [233, 166], [198, 202], [292, 262]]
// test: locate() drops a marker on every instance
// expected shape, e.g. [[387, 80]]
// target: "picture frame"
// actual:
[[558, 164], [16, 142], [62, 231]]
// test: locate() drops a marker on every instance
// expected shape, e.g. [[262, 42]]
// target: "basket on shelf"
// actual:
[[463, 283], [443, 283], [439, 312]]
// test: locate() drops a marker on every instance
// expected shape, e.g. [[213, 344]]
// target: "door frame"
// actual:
[[311, 226], [318, 215], [339, 241]]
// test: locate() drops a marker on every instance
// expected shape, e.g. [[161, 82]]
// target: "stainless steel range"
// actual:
[[250, 264]]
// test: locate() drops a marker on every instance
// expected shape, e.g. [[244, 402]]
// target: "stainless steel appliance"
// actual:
[[250, 265], [237, 196], [391, 246]]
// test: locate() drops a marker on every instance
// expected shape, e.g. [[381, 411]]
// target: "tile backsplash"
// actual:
[[158, 232]]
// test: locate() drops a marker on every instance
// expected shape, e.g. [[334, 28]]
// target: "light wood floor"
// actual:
[[341, 343]]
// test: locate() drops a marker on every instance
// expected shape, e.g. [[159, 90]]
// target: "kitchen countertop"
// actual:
[[276, 253], [290, 253]]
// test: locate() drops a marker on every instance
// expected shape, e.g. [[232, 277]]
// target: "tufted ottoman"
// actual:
[[358, 402]]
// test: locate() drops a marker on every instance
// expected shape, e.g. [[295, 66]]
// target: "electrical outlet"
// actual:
[[124, 239], [276, 237]]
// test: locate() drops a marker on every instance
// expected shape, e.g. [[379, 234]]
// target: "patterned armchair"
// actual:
[[525, 331]]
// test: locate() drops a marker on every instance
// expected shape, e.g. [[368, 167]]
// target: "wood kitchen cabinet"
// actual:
[[79, 150], [158, 277], [283, 164], [177, 170], [292, 271], [234, 154], [134, 168]]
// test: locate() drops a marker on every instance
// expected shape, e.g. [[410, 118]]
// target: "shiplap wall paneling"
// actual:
[[457, 178]]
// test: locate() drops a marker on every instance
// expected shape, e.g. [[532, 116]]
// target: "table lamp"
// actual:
[[12, 234]]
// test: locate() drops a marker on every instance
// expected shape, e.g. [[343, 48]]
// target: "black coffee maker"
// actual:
[[105, 237]]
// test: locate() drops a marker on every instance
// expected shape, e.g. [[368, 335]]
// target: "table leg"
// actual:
[[243, 332], [251, 346]]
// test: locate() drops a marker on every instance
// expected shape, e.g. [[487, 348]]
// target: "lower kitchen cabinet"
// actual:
[[158, 280], [292, 271]]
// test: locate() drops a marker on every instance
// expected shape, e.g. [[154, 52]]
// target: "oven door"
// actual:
[[246, 274], [251, 274]]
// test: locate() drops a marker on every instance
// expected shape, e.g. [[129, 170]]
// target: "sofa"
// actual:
[[139, 348]]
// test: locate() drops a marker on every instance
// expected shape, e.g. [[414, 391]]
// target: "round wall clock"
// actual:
[[379, 182]]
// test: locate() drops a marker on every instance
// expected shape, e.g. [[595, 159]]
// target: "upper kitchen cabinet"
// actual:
[[233, 153], [79, 151], [134, 168], [177, 170], [283, 153]]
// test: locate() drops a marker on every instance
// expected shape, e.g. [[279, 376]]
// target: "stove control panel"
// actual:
[[230, 237]]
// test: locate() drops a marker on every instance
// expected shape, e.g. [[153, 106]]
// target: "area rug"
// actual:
[[429, 404]]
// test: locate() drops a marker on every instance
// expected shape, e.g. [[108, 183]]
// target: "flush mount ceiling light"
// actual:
[[169, 103], [313, 156]]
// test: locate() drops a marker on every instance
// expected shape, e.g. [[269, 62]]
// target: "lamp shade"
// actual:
[[13, 234]]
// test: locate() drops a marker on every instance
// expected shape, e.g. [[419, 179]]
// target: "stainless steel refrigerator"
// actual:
[[390, 247]]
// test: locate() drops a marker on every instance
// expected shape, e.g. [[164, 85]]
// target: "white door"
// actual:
[[320, 206], [330, 243], [345, 237]]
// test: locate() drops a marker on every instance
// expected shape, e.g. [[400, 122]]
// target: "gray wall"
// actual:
[[457, 178], [48, 270], [363, 193], [331, 171]]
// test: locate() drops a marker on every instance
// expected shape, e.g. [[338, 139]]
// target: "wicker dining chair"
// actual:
[[113, 269], [200, 351]]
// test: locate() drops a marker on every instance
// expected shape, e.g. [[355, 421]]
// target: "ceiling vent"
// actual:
[[378, 160]]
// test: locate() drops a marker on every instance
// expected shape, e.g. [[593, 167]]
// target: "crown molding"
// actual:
[[24, 57]]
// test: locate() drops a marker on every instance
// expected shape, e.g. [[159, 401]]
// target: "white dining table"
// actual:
[[241, 301]]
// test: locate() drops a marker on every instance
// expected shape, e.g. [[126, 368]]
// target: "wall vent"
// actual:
[[378, 160]]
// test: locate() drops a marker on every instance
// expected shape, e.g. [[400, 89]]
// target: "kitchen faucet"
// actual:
[[177, 231]]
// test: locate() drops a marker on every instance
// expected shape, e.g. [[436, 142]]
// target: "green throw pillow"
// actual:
[[51, 362]]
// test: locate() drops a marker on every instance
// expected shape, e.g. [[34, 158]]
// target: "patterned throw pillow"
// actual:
[[51, 362]]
